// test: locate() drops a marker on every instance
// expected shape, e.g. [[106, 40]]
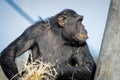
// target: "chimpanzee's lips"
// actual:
[[80, 39]]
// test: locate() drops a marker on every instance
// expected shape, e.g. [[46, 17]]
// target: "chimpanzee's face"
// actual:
[[73, 27]]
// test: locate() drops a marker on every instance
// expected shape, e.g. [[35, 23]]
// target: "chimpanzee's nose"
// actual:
[[80, 18]]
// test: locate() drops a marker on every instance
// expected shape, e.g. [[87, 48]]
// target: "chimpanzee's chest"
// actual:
[[53, 50]]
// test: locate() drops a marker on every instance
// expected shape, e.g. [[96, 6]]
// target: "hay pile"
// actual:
[[38, 70]]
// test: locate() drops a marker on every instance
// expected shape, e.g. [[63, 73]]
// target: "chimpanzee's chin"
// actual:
[[80, 42]]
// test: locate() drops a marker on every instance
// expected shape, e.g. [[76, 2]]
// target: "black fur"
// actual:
[[57, 44]]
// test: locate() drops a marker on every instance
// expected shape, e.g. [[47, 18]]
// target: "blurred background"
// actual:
[[17, 15]]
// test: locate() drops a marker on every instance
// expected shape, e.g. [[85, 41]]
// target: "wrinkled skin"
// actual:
[[61, 40]]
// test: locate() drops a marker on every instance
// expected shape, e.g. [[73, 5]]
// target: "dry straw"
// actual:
[[38, 70]]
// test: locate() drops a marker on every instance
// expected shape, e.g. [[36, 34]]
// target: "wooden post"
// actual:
[[108, 67]]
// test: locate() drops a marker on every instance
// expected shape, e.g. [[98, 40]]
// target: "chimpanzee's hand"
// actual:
[[62, 71]]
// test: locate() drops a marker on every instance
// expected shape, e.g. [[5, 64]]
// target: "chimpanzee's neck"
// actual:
[[75, 44]]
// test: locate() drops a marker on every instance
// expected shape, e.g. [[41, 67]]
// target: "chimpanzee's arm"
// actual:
[[84, 69], [16, 48]]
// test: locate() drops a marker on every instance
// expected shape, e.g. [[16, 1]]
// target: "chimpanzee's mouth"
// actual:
[[80, 39], [75, 41]]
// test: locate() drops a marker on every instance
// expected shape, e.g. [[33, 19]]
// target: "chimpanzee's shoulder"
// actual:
[[37, 28], [41, 25]]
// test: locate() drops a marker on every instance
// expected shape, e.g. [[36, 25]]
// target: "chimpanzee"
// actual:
[[60, 40]]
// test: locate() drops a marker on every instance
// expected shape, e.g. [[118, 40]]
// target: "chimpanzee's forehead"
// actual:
[[69, 11]]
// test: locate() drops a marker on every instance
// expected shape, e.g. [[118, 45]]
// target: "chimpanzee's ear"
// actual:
[[62, 20]]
